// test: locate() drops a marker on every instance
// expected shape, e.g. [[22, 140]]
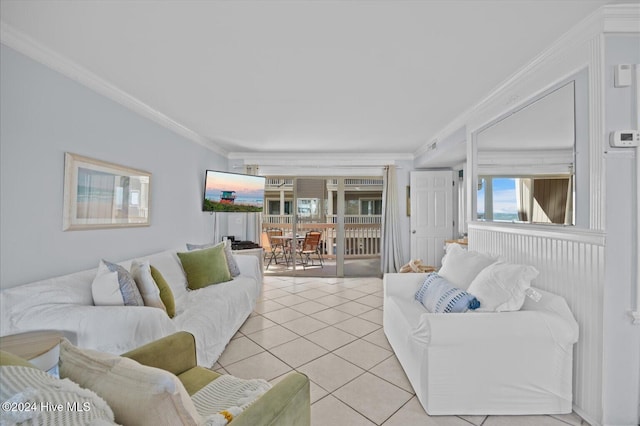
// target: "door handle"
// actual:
[[413, 232]]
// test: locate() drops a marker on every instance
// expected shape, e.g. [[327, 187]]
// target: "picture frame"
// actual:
[[98, 195]]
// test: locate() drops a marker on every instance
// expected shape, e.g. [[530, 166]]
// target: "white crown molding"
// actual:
[[336, 159], [317, 164], [24, 44], [618, 18], [621, 18], [424, 149]]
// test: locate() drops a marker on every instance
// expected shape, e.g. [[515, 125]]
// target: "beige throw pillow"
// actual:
[[150, 292], [34, 394], [137, 394]]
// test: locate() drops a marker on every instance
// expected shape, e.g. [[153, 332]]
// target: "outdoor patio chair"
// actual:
[[310, 247], [273, 252]]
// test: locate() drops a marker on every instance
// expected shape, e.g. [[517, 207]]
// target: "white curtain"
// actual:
[[568, 210], [391, 248], [524, 196], [254, 220]]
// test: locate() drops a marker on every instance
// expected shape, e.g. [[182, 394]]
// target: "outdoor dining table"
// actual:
[[286, 241]]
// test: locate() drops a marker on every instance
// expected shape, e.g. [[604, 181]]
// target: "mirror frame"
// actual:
[[580, 155]]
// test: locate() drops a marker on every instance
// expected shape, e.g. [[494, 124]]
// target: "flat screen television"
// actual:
[[233, 192]]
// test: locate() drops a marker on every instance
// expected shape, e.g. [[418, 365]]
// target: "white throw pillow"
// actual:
[[460, 266], [168, 264], [105, 288], [141, 271], [502, 286], [137, 394], [128, 287]]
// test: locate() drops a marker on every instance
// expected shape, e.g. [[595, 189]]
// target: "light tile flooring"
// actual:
[[331, 330]]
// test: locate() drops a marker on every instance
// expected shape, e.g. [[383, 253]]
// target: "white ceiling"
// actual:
[[302, 76]]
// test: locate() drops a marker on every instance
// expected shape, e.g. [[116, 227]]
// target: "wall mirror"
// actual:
[[525, 162]]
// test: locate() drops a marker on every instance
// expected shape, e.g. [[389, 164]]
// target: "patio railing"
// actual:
[[362, 236]]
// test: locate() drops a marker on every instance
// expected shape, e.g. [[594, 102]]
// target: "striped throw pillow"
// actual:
[[438, 295]]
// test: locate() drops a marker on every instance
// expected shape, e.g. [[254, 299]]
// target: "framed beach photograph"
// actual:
[[98, 194]]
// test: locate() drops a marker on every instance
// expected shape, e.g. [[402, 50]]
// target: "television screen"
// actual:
[[233, 192]]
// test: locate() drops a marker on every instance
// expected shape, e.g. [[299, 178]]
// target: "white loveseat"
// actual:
[[212, 314], [479, 363]]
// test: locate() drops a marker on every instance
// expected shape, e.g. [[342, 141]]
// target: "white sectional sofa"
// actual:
[[212, 314], [480, 363]]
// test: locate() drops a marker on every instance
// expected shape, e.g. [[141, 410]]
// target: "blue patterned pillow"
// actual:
[[439, 296]]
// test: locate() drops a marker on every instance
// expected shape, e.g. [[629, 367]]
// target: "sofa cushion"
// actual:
[[205, 267], [502, 286], [137, 394], [105, 288], [460, 266], [234, 269], [33, 388], [128, 287], [213, 314], [437, 295], [166, 295], [149, 290]]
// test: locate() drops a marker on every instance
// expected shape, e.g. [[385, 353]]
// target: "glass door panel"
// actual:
[[362, 226], [313, 251]]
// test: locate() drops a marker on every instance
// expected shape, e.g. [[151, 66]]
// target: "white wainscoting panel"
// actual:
[[571, 264]]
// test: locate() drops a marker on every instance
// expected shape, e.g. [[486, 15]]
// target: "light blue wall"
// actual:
[[621, 354], [44, 114]]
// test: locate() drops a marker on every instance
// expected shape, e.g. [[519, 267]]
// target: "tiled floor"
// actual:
[[331, 330]]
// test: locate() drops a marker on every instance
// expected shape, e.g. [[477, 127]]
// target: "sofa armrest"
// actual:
[[288, 402], [402, 285], [175, 353], [249, 266], [7, 358]]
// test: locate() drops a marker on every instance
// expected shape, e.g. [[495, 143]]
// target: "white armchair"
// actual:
[[479, 363]]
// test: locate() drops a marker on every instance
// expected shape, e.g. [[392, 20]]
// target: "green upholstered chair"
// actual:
[[287, 403]]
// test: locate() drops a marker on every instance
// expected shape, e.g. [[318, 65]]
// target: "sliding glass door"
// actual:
[[344, 212]]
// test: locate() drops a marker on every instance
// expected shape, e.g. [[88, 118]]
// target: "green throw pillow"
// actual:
[[205, 267], [166, 295]]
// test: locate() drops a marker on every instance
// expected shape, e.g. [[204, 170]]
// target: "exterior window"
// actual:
[[351, 207], [308, 207], [500, 193], [274, 207], [546, 199], [370, 207]]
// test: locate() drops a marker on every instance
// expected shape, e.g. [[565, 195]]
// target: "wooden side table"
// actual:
[[40, 348]]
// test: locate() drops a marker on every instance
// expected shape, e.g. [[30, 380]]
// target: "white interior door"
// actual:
[[431, 214]]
